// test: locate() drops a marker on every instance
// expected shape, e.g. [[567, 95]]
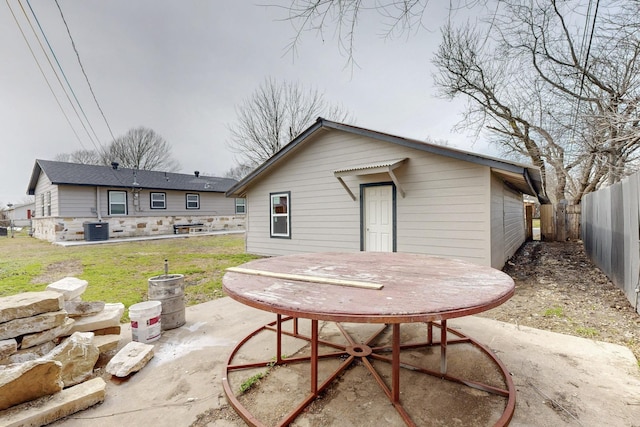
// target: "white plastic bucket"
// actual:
[[145, 321]]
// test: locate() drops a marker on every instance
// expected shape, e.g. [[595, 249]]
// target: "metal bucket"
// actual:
[[169, 290]]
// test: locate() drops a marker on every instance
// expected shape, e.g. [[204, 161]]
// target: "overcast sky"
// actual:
[[182, 67]]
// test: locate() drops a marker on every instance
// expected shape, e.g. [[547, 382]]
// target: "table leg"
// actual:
[[395, 364], [314, 357], [443, 347], [279, 339]]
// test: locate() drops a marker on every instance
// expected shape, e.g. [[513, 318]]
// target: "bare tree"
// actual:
[[273, 116], [341, 18], [239, 171], [142, 148], [86, 157], [566, 99], [139, 148]]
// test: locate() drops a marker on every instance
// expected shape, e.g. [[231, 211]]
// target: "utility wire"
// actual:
[[43, 75], [586, 60], [57, 76], [83, 71], [63, 73]]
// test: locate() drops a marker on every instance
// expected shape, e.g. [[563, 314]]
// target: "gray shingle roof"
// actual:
[[62, 173]]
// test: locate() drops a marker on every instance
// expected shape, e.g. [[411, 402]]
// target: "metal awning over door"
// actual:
[[387, 166]]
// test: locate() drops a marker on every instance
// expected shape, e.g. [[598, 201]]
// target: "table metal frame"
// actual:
[[363, 351]]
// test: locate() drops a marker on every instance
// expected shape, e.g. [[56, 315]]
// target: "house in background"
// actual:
[[132, 202], [338, 187], [20, 214]]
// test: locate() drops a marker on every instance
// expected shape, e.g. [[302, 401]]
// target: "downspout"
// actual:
[[98, 204]]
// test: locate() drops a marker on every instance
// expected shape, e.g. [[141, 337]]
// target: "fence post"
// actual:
[[547, 223]]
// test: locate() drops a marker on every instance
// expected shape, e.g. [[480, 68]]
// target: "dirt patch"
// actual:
[[557, 289], [59, 270]]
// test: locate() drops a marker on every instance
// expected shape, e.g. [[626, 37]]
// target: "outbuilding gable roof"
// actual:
[[63, 173], [525, 178]]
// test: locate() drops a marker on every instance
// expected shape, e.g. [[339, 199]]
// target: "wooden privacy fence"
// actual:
[[610, 231], [559, 223]]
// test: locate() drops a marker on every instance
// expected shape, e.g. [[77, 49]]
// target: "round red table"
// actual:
[[368, 287]]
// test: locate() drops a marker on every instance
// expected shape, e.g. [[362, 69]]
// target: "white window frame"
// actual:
[[112, 203], [189, 204], [48, 203], [153, 202], [274, 216], [241, 206]]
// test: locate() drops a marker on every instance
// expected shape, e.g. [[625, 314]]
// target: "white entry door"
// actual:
[[378, 218]]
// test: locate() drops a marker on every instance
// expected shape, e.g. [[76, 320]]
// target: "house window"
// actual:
[[117, 202], [42, 204], [193, 201], [158, 200], [280, 215], [48, 203], [241, 206]]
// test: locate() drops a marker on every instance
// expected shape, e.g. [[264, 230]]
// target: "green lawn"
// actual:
[[118, 272]]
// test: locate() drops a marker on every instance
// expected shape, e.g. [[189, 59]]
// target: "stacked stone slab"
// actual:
[[49, 348]]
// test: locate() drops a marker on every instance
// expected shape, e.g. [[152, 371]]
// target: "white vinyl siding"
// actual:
[[46, 195], [507, 222], [514, 223], [446, 210]]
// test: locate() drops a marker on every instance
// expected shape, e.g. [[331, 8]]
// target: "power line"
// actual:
[[43, 75], [83, 71], [63, 73], [57, 76]]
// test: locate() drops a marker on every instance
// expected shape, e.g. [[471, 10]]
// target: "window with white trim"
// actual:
[[241, 206], [280, 215], [117, 202], [158, 200], [193, 201], [48, 203], [42, 203]]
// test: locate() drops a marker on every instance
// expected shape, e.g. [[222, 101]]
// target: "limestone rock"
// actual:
[[133, 357], [106, 343], [28, 325], [47, 410], [70, 287], [111, 330], [22, 382], [108, 317], [48, 335], [7, 348], [78, 308], [31, 353], [29, 304], [78, 356]]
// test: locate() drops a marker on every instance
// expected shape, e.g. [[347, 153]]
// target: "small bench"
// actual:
[[178, 227], [198, 229]]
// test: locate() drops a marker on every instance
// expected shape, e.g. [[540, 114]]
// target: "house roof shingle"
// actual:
[[63, 173]]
